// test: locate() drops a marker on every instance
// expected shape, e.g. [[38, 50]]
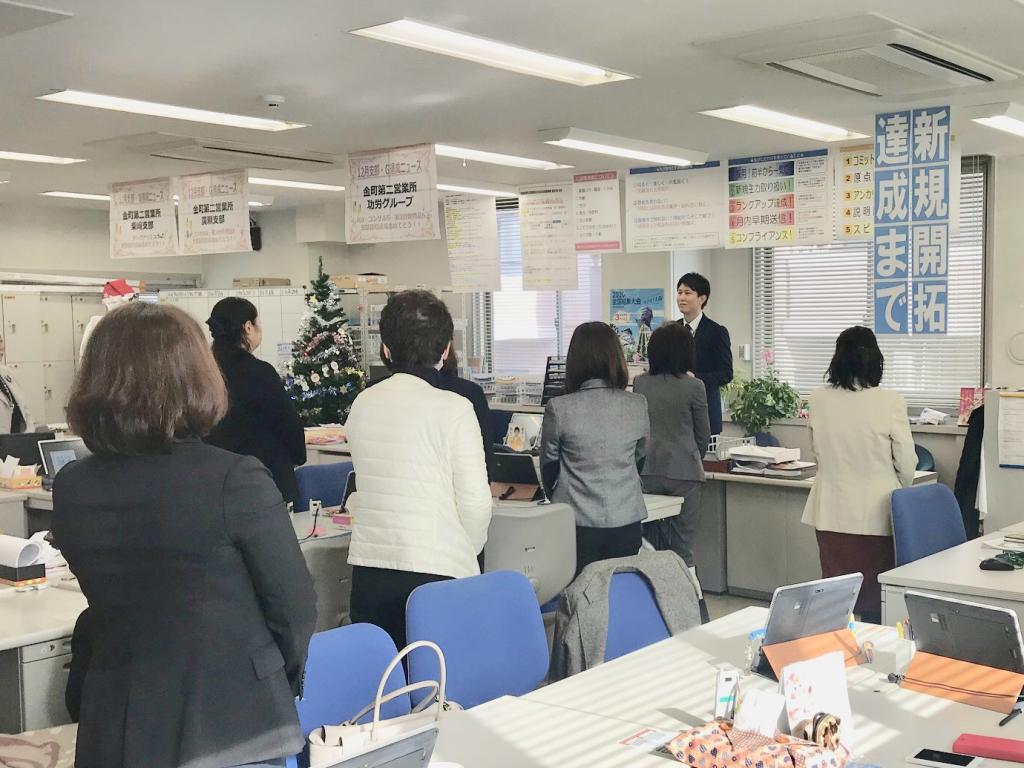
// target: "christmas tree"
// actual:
[[324, 376]]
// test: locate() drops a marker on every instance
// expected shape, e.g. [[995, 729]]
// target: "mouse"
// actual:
[[994, 565]]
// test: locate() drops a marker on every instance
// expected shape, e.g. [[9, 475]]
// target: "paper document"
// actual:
[[16, 552], [1011, 429]]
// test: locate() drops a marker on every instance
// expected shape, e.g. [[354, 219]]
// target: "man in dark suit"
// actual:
[[714, 353]]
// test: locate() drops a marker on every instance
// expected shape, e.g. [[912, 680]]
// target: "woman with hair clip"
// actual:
[[861, 437], [261, 420]]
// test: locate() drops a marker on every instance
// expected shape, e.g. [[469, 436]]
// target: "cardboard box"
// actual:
[[364, 280], [261, 282]]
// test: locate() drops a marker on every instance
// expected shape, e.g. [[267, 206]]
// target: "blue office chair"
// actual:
[[925, 519], [634, 619], [325, 482], [343, 670], [925, 460], [490, 630]]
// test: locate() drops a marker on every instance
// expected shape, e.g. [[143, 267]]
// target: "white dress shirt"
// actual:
[[692, 324]]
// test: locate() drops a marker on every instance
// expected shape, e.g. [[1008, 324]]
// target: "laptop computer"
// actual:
[[514, 477], [957, 629], [57, 454], [808, 609]]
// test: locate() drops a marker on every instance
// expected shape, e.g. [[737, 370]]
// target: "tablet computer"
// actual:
[[56, 454]]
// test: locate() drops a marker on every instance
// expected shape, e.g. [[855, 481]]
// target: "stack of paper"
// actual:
[[764, 455]]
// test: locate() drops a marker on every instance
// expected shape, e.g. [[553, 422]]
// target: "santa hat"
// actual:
[[116, 288]]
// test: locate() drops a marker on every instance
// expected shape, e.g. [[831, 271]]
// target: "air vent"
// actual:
[[220, 152], [867, 54]]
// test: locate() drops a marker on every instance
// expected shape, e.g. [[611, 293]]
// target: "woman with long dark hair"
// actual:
[[592, 441], [861, 437], [261, 420]]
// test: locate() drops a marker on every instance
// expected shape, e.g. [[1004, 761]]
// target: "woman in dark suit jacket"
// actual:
[[261, 420], [200, 604], [680, 433]]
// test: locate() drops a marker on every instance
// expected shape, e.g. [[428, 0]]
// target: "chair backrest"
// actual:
[[490, 630], [925, 519], [925, 460], [325, 482], [536, 540], [634, 620]]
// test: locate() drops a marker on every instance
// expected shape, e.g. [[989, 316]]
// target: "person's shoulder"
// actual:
[[711, 323]]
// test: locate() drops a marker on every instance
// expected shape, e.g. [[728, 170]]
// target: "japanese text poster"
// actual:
[[213, 216], [854, 192], [546, 236], [142, 221], [635, 314], [669, 207], [597, 217], [912, 210], [780, 200], [391, 195], [471, 233]]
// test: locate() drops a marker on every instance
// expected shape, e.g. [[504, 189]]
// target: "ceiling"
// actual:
[[360, 94]]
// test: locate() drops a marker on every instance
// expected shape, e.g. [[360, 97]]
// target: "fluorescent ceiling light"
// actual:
[[75, 195], [780, 121], [1005, 116], [619, 146], [257, 204], [491, 191], [463, 153], [155, 109], [492, 53], [22, 157], [295, 184]]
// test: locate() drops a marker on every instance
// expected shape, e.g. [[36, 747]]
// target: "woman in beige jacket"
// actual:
[[861, 437]]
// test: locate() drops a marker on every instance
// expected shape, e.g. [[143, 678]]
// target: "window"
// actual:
[[805, 296], [521, 329]]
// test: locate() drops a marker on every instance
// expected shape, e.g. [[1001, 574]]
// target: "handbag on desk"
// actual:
[[333, 743]]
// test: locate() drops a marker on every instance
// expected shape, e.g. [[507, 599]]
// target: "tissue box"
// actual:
[[21, 482], [22, 576], [365, 280]]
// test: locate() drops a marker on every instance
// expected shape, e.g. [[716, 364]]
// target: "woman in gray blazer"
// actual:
[[680, 432], [593, 441]]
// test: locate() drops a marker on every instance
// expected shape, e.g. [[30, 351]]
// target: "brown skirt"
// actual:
[[843, 553]]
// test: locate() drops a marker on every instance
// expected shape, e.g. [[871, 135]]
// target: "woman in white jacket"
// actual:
[[423, 503], [14, 414], [861, 437]]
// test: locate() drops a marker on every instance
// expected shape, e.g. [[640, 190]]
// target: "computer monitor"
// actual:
[[56, 454], [24, 446], [538, 540], [956, 629]]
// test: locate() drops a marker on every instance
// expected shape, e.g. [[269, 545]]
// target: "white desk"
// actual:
[[670, 686], [331, 453], [953, 573]]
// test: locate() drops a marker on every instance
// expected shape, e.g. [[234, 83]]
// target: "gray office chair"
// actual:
[[537, 540]]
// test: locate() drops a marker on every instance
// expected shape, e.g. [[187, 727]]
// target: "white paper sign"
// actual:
[[142, 221], [854, 172], [391, 195], [547, 237], [471, 232], [213, 214], [669, 207], [1011, 430], [597, 218]]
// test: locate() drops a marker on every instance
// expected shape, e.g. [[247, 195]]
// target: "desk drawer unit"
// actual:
[[32, 683]]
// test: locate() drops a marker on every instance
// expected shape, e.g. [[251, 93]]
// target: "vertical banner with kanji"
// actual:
[[142, 221], [471, 234], [597, 216], [912, 210], [213, 215], [391, 195], [547, 238]]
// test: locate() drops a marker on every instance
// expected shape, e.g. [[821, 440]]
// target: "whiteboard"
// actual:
[[1004, 487]]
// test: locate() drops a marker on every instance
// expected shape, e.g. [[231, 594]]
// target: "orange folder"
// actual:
[[781, 655], [963, 682]]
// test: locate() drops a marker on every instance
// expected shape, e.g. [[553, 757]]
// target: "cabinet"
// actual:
[[83, 309], [57, 379], [30, 378], [23, 320], [41, 672], [56, 327]]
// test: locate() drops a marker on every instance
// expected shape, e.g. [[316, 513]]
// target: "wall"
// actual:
[[280, 256], [636, 270], [1006, 273], [731, 303]]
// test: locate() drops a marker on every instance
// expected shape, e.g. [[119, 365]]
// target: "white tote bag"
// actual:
[[333, 743]]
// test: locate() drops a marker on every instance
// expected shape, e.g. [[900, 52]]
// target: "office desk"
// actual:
[[670, 686], [955, 574], [767, 545]]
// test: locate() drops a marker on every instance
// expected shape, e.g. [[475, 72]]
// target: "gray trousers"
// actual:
[[675, 533]]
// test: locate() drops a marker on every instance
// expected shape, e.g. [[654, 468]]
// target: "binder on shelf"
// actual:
[[554, 379]]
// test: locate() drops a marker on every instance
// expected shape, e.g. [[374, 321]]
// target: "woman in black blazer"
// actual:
[[261, 421], [200, 604]]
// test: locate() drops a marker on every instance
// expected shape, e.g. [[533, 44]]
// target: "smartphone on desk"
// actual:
[[939, 759]]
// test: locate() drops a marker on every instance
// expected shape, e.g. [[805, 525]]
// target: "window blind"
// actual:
[[805, 296]]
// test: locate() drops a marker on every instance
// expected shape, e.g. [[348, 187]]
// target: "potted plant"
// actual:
[[755, 403]]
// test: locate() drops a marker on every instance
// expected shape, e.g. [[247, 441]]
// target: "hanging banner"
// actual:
[[213, 215], [912, 212], [546, 237], [596, 215], [780, 200], [634, 315], [853, 174], [391, 195], [471, 233], [142, 222], [670, 207]]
